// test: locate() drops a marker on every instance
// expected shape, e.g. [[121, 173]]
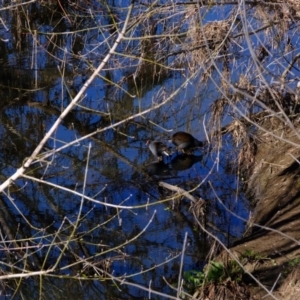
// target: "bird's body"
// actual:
[[158, 149], [185, 141]]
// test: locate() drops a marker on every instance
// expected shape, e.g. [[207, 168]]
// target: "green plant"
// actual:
[[193, 279], [251, 257], [215, 272], [294, 262]]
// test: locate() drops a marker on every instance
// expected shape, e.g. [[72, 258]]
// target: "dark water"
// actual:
[[128, 226]]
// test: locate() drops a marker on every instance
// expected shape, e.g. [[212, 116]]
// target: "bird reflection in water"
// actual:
[[183, 162], [158, 169]]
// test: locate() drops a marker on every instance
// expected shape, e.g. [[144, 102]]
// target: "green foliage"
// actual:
[[193, 279], [291, 265], [294, 262], [251, 257], [216, 272]]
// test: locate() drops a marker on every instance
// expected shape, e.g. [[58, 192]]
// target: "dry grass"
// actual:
[[203, 41], [290, 289]]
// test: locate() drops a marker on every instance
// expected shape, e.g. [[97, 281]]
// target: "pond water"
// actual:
[[91, 214]]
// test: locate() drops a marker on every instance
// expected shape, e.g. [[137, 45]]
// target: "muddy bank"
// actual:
[[270, 248]]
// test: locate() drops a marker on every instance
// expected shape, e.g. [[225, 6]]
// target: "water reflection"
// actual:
[[46, 210], [178, 163], [158, 169], [183, 162]]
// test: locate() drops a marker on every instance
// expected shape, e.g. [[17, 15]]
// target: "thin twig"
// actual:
[[78, 97]]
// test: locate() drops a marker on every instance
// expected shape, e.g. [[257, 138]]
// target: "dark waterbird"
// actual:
[[185, 141], [158, 149]]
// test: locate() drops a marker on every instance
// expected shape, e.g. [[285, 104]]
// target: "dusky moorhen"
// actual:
[[158, 149], [185, 141]]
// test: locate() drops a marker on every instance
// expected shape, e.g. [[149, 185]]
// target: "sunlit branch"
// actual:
[[78, 97]]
